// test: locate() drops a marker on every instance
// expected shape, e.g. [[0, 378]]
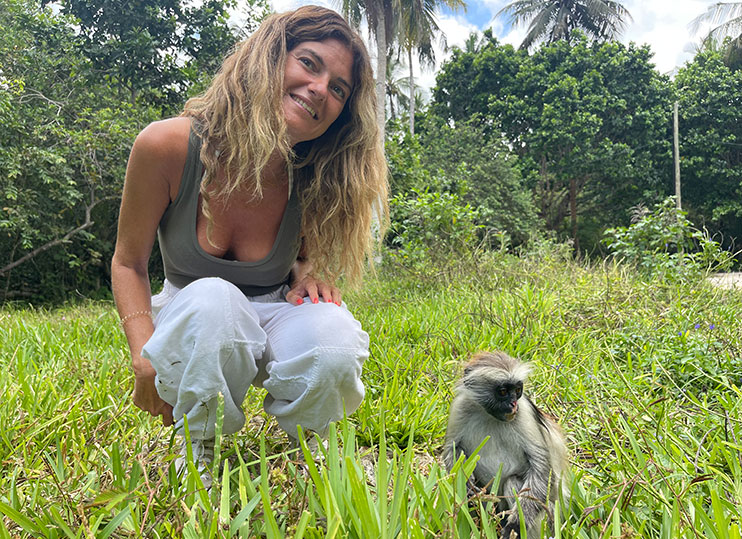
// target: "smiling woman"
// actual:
[[261, 194], [316, 87]]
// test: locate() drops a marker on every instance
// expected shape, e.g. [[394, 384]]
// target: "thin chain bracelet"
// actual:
[[128, 317]]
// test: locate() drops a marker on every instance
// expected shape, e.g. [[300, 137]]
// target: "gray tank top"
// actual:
[[184, 259]]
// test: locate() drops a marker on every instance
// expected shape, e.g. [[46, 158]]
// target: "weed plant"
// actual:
[[644, 375]]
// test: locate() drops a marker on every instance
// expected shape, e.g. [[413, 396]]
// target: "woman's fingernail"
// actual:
[[337, 303], [315, 300], [299, 301]]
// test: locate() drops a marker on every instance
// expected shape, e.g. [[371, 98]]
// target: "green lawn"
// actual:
[[644, 376]]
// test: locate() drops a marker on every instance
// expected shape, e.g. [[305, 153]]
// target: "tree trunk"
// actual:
[[381, 72], [412, 92], [573, 211]]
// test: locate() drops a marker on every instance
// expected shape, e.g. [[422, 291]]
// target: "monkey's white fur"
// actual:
[[529, 448]]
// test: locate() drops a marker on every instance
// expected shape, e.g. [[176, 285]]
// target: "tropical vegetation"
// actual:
[[532, 212]]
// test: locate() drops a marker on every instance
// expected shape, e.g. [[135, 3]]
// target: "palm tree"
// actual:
[[379, 14], [726, 21], [552, 20], [417, 30], [396, 84]]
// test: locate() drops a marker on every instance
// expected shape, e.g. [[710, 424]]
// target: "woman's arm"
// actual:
[[156, 158]]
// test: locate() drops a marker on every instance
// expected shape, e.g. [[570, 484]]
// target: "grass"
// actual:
[[643, 374]]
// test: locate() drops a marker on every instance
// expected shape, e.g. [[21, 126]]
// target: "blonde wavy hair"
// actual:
[[341, 176]]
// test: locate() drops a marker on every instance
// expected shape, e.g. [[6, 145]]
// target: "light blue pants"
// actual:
[[210, 338]]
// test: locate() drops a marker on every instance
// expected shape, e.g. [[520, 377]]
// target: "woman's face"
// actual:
[[317, 83]]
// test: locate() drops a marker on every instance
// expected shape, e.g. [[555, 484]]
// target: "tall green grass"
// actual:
[[644, 376]]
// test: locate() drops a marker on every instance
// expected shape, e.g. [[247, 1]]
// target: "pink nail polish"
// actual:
[[315, 300], [299, 301]]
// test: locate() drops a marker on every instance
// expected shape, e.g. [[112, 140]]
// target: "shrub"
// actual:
[[431, 231], [664, 242]]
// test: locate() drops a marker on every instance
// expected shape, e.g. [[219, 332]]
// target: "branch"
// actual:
[[87, 224]]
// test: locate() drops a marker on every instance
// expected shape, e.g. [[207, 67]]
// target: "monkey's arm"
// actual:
[[451, 454], [534, 491]]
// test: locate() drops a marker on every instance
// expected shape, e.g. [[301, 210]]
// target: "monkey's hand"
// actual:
[[511, 529]]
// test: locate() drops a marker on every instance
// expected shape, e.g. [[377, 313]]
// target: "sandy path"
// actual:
[[727, 280]]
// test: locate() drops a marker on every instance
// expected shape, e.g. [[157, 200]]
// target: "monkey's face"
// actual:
[[499, 399]]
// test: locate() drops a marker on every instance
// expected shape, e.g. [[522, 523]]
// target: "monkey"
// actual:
[[523, 442]]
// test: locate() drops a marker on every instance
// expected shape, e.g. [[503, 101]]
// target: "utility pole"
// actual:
[[676, 152]]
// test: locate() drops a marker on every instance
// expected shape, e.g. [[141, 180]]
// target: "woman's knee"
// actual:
[[330, 326], [214, 302]]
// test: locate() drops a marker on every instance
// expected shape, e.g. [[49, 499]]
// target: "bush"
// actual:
[[432, 231], [664, 242]]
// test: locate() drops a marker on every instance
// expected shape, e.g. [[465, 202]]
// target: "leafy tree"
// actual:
[[589, 122], [554, 20], [465, 82], [711, 143], [484, 173], [154, 49], [63, 151]]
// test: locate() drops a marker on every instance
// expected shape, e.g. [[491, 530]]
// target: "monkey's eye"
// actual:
[[502, 392]]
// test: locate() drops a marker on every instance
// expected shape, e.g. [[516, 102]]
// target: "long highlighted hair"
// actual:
[[341, 176]]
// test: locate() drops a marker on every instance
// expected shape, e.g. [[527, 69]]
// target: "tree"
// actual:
[[63, 151], [711, 143], [589, 123], [417, 31], [553, 20], [396, 84], [154, 50], [380, 17], [726, 29], [65, 141]]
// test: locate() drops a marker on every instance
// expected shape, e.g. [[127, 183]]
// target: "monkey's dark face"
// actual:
[[499, 399]]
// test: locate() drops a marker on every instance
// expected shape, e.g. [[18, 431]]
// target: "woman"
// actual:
[[262, 194]]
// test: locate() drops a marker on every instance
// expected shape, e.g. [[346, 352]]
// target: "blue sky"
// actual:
[[663, 24]]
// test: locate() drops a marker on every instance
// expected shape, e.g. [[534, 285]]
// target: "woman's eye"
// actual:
[[307, 62], [339, 90]]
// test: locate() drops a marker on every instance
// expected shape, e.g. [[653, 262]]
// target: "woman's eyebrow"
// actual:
[[321, 62]]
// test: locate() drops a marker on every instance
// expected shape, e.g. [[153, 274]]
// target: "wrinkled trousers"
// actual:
[[210, 338]]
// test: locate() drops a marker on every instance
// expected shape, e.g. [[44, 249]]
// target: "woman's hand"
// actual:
[[146, 396], [313, 288]]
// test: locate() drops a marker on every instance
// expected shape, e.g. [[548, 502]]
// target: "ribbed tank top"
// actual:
[[185, 261]]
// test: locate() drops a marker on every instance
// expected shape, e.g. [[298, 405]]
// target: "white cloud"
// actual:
[[664, 25]]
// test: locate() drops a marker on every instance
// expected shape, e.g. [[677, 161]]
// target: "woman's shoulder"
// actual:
[[165, 139], [162, 148]]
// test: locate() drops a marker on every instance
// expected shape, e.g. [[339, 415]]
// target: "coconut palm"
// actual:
[[726, 21], [380, 17], [396, 84], [418, 29], [553, 20]]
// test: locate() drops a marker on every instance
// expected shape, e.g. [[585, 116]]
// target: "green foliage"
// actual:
[[588, 122], [711, 143], [653, 418], [431, 229], [466, 157], [68, 128], [664, 242], [153, 52]]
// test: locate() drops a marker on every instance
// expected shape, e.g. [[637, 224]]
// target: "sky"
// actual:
[[662, 24]]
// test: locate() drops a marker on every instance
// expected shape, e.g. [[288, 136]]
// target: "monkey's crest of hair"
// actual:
[[497, 365]]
